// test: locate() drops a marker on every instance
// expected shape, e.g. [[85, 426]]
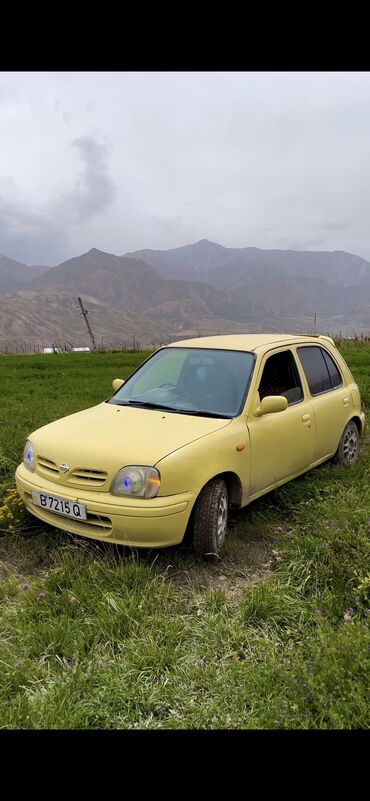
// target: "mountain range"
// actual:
[[157, 295]]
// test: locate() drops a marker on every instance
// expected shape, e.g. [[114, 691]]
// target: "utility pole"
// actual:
[[84, 313]]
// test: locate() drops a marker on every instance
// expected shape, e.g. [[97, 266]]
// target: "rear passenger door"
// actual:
[[330, 397], [282, 443]]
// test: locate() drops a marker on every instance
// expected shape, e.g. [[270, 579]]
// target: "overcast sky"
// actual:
[[122, 161]]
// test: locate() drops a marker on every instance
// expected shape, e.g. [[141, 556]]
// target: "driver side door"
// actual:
[[281, 443]]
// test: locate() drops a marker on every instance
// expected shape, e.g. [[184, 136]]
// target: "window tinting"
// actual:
[[335, 376], [315, 369], [280, 377]]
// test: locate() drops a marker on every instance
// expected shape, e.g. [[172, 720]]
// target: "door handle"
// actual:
[[306, 417]]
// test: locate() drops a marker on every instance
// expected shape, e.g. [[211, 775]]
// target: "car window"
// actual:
[[321, 376], [191, 380], [335, 376], [162, 373], [280, 377]]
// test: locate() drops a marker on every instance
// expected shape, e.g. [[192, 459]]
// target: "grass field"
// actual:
[[274, 635]]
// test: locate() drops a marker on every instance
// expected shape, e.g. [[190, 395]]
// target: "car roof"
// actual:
[[249, 342]]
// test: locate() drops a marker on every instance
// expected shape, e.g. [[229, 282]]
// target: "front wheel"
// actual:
[[210, 518], [348, 447]]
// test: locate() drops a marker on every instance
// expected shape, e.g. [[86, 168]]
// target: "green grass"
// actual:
[[160, 639], [34, 390]]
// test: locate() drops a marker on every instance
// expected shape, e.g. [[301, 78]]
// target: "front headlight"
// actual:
[[136, 482], [29, 456]]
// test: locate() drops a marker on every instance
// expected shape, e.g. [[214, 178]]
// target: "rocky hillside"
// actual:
[[281, 282], [198, 289], [15, 275]]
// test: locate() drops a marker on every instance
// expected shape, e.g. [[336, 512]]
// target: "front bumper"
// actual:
[[142, 523]]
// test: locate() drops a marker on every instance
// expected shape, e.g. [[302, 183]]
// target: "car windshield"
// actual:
[[206, 382]]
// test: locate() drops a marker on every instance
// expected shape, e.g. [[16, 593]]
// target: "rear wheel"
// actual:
[[348, 447], [210, 518]]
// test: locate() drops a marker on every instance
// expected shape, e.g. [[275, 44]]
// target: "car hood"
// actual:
[[108, 437]]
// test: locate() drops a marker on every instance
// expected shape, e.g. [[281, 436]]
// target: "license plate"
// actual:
[[61, 506]]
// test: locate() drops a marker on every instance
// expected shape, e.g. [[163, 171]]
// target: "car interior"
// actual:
[[200, 382], [280, 377]]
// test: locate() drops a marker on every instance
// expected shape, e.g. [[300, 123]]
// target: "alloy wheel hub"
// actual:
[[350, 446], [222, 519]]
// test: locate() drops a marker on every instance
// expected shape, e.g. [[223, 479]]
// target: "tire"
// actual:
[[348, 447], [210, 518]]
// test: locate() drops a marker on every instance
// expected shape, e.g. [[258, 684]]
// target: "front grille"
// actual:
[[85, 477], [47, 467], [99, 521], [79, 477]]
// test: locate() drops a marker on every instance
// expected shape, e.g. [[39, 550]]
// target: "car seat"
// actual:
[[208, 386]]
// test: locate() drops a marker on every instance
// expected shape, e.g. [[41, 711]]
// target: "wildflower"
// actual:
[[41, 596], [17, 665], [25, 585], [279, 529], [351, 610], [73, 600], [69, 663], [347, 617]]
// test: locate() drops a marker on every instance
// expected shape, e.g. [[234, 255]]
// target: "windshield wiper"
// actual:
[[194, 412], [149, 405], [199, 413]]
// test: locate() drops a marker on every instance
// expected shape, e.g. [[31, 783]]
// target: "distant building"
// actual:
[[65, 350]]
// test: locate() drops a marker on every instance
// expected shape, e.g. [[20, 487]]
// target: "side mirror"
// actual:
[[117, 384], [271, 404]]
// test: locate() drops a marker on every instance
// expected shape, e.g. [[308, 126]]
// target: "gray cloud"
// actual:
[[76, 113], [303, 243], [168, 225], [17, 216], [28, 236], [94, 189], [31, 233], [272, 160], [335, 226], [267, 229]]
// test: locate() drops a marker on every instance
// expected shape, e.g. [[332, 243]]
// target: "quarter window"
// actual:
[[335, 376], [320, 370], [280, 377]]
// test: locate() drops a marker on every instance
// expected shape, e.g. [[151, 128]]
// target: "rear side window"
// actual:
[[320, 370], [335, 376]]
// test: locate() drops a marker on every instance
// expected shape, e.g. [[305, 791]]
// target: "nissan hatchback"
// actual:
[[202, 426]]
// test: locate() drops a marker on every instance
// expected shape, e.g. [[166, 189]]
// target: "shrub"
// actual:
[[13, 513]]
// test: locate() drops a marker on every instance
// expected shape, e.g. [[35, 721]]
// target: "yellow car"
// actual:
[[202, 426]]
